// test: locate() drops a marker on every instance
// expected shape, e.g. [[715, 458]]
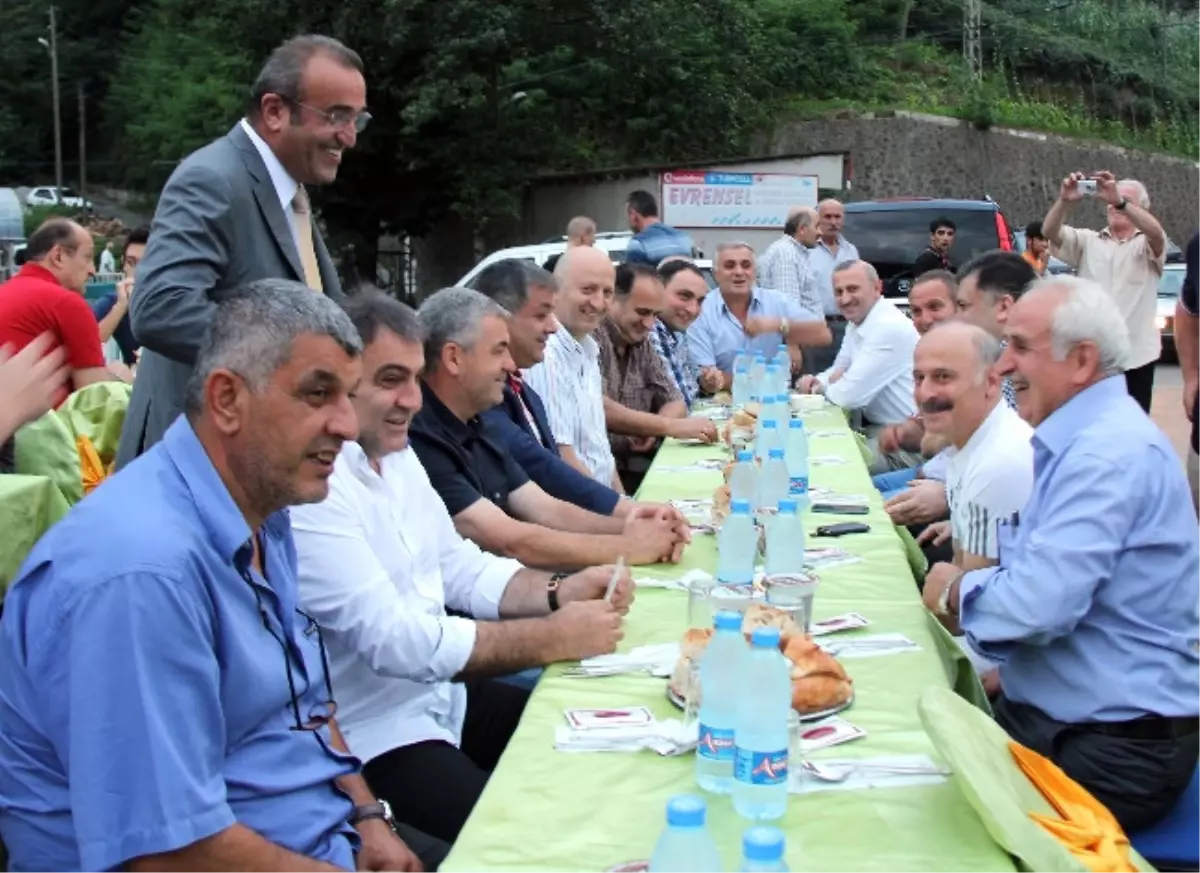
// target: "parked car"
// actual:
[[891, 233], [1169, 288], [48, 195], [1055, 267]]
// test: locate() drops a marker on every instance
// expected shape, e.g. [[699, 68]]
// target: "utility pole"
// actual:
[[82, 143], [972, 24], [51, 46]]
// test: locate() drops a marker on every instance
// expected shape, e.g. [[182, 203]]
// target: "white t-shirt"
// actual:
[[989, 479]]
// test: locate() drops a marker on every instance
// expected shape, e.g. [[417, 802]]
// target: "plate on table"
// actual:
[[693, 441]]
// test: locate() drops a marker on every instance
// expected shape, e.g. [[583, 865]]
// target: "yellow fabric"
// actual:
[[91, 467], [1086, 827], [302, 219]]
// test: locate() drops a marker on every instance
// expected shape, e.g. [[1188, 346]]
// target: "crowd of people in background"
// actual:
[[351, 533]]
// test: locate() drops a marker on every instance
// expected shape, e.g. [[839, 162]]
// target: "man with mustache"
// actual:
[[1093, 610], [742, 316], [166, 703], [380, 564], [641, 403], [237, 210], [489, 496], [686, 289]]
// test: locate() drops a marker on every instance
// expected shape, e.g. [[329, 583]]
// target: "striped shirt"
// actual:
[[989, 479], [672, 347], [568, 381], [785, 267], [656, 242]]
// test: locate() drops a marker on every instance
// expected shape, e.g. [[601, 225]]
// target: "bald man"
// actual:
[[831, 249], [785, 266], [581, 231], [568, 378]]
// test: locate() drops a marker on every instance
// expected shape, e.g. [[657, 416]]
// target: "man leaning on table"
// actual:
[[485, 491], [739, 315], [165, 702], [1092, 612], [380, 563]]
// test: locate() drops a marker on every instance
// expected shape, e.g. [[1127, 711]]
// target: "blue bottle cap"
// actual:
[[775, 453], [772, 368], [759, 356], [685, 811], [762, 843], [787, 505], [783, 347], [797, 424], [740, 507], [727, 619], [742, 368], [745, 455], [770, 422], [765, 638]]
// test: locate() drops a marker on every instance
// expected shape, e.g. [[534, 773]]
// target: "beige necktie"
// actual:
[[302, 220]]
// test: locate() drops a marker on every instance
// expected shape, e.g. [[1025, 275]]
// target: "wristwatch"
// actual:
[[1120, 207], [552, 590], [380, 809], [783, 327], [942, 608]]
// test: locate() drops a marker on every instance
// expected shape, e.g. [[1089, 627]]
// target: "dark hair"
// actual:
[[139, 236], [943, 276], [643, 203], [1033, 230], [284, 69], [628, 274], [671, 269], [941, 222], [508, 282], [999, 273], [371, 310], [56, 231]]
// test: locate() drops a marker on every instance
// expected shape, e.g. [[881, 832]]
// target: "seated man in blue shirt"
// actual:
[[165, 703], [739, 315], [1092, 612]]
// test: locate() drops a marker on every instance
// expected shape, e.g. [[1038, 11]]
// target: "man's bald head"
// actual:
[[801, 225], [963, 339], [581, 231], [585, 280], [955, 382]]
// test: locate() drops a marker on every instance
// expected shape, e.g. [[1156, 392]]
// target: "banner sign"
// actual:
[[700, 198]]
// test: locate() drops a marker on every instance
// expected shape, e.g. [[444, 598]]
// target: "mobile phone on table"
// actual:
[[842, 528], [840, 508]]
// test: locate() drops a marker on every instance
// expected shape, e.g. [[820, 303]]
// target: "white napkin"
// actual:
[[870, 646], [801, 782], [668, 737], [659, 659]]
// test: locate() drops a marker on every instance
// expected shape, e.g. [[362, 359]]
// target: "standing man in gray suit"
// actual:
[[238, 210]]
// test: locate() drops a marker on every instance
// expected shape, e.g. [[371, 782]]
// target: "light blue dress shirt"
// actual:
[[1093, 612], [822, 261], [716, 337], [143, 704]]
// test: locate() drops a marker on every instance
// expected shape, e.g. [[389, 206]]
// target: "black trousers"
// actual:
[[432, 785], [1139, 382], [1139, 780], [818, 359]]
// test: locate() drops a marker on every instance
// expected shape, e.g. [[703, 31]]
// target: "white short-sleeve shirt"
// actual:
[[989, 479]]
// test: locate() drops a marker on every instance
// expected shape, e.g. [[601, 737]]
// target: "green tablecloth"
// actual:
[[548, 810], [28, 506]]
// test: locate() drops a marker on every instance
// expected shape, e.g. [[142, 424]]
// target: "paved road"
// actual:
[[1167, 409]]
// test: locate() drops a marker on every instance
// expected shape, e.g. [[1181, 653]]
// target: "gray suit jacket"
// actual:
[[219, 224]]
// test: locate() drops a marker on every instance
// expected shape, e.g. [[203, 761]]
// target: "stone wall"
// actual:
[[907, 154]]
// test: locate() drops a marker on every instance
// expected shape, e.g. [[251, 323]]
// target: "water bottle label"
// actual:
[[798, 485], [760, 768], [716, 744]]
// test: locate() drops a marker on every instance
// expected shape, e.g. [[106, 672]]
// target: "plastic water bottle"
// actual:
[[685, 843], [783, 358], [768, 438], [785, 541], [720, 675], [779, 412], [772, 481], [743, 359], [758, 369], [760, 763], [762, 850], [796, 455], [741, 386], [743, 481], [737, 546], [770, 382]]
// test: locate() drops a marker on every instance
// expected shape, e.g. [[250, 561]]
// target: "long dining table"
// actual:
[[550, 810]]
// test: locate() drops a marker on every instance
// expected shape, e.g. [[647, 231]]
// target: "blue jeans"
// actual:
[[891, 484]]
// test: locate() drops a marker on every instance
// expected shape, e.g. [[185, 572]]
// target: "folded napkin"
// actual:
[[1086, 828], [866, 773], [667, 737], [870, 646], [658, 659], [683, 583]]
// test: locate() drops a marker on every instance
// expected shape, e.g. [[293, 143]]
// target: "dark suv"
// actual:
[[891, 233]]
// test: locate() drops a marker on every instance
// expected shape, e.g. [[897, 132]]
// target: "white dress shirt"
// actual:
[[876, 360], [568, 381], [379, 562], [285, 186]]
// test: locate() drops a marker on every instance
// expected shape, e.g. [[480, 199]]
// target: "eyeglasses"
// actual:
[[338, 117], [321, 714]]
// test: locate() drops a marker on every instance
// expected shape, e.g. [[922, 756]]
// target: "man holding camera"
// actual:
[[1125, 258]]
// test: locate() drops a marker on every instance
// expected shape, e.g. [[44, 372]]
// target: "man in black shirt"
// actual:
[[486, 492], [937, 256], [1187, 324]]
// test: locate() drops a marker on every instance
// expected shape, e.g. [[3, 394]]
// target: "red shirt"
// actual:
[[33, 303]]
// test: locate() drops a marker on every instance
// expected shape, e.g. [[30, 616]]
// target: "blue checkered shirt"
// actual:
[[672, 348]]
